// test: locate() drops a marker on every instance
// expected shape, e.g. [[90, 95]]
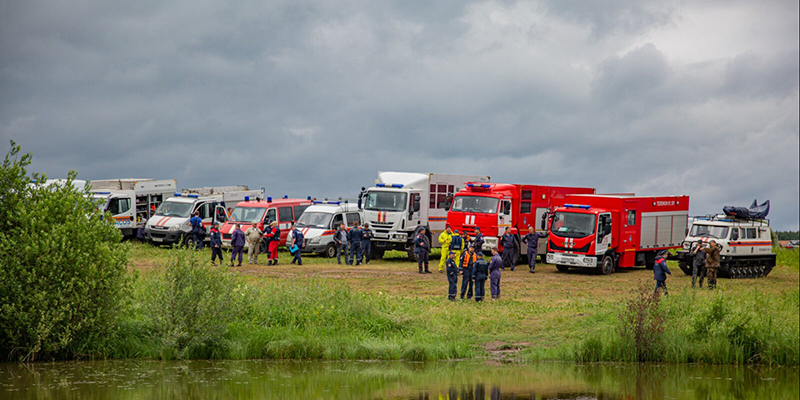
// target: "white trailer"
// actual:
[[131, 202], [402, 203], [170, 224]]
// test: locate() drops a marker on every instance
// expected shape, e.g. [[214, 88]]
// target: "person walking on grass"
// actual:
[[197, 230], [452, 276], [273, 237], [481, 273], [532, 240], [467, 266], [253, 237], [495, 266], [712, 263], [698, 264], [237, 242], [422, 247], [444, 240], [297, 245], [340, 240], [216, 244], [660, 272]]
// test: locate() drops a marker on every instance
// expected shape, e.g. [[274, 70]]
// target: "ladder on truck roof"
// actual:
[[208, 191]]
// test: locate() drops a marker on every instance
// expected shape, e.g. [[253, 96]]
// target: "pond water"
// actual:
[[383, 380]]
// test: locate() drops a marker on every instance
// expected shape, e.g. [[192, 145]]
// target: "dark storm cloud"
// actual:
[[312, 98]]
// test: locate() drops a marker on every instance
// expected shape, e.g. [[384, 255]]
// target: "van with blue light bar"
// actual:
[[401, 203], [131, 202], [320, 221], [170, 222]]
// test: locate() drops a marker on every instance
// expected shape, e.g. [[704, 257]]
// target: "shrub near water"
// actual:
[[63, 278]]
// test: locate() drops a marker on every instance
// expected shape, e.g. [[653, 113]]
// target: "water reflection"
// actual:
[[380, 380]]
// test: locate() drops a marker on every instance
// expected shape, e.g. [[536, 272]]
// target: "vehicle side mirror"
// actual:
[[607, 229], [416, 204], [735, 234], [544, 222]]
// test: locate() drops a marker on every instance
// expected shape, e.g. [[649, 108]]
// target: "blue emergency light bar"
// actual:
[[269, 199], [286, 196], [308, 198], [380, 184], [193, 195], [485, 186], [585, 207], [394, 185], [177, 194], [101, 192], [327, 202], [246, 198]]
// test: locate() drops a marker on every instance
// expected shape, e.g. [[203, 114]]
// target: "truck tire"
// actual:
[[562, 268], [606, 266], [188, 241], [263, 246], [411, 255], [377, 254], [684, 266], [330, 250], [649, 259]]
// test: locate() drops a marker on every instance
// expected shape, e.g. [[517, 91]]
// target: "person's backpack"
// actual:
[[196, 224], [455, 244]]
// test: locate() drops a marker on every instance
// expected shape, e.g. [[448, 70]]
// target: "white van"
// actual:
[[320, 221]]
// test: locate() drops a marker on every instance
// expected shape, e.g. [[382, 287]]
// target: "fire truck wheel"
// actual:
[[263, 247], [330, 250], [411, 255], [606, 267], [685, 267], [377, 254], [562, 268]]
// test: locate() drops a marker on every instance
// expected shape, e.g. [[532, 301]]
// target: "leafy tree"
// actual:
[[788, 235], [63, 271]]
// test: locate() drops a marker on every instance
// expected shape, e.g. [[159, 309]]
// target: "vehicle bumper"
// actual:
[[315, 248], [489, 242], [573, 260], [163, 237]]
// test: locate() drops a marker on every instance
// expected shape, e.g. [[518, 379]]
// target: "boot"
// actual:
[[420, 269], [426, 270]]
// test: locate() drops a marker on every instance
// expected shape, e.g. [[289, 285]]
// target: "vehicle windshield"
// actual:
[[314, 220], [570, 224], [174, 209], [475, 204], [100, 203], [716, 232], [248, 214], [385, 201]]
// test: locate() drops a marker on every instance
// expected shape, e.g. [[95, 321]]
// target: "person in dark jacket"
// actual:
[[477, 241], [660, 271], [422, 247], [198, 233], [366, 242], [297, 244], [216, 244], [466, 264], [481, 274], [452, 276], [494, 273], [340, 240], [532, 240], [698, 264], [237, 242], [355, 245], [712, 263], [508, 243]]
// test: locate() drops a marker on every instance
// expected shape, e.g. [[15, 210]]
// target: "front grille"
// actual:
[[584, 249], [226, 236], [383, 224], [158, 235], [378, 230], [158, 227]]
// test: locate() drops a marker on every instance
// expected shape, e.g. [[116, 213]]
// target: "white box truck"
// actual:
[[401, 203], [131, 202], [170, 224]]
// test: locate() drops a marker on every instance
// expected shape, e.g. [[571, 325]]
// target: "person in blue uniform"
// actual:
[[660, 271], [481, 273], [452, 276], [422, 247], [197, 230], [532, 240], [477, 241], [366, 242], [466, 264], [355, 245], [297, 244], [508, 243], [216, 244], [494, 273], [237, 242]]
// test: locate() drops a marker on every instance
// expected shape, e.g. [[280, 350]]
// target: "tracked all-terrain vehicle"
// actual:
[[745, 241]]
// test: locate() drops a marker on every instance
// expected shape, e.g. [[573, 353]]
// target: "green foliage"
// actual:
[[787, 257], [63, 277], [188, 306], [788, 235]]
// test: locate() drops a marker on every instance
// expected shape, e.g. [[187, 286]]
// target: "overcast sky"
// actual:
[[313, 98]]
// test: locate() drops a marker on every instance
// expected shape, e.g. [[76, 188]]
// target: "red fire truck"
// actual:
[[494, 206], [609, 231]]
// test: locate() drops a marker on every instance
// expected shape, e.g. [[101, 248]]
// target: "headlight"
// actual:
[[174, 228], [314, 240], [686, 245]]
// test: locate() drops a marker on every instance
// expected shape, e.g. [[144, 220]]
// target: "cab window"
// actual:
[[119, 206], [337, 220], [285, 214], [221, 216], [631, 217], [271, 216], [353, 218], [750, 233], [203, 209]]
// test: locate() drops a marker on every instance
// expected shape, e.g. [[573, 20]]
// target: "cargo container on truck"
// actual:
[[605, 232], [494, 206], [401, 203], [131, 202], [170, 224]]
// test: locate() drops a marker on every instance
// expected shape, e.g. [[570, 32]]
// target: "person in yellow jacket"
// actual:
[[444, 240]]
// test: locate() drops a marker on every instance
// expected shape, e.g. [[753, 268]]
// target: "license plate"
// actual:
[[382, 235], [155, 239]]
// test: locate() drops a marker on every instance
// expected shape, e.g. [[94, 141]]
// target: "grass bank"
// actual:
[[387, 311]]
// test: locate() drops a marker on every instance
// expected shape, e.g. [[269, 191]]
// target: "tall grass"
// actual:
[[714, 328], [787, 257]]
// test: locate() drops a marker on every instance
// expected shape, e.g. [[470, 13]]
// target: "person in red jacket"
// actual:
[[273, 235]]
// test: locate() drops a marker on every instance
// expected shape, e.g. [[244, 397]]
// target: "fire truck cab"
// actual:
[[494, 206], [283, 211], [610, 231]]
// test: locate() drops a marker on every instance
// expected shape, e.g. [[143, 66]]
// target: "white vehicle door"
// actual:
[[122, 211], [603, 233], [504, 215]]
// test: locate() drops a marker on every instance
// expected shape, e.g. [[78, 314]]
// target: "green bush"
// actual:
[[189, 305], [63, 277]]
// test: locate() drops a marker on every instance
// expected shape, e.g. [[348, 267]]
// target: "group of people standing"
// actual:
[[705, 264], [252, 238], [355, 243]]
